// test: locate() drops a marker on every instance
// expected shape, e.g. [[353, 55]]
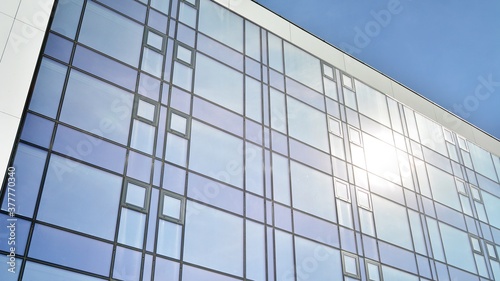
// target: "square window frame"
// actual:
[[147, 197], [445, 132], [182, 213], [457, 180], [368, 278], [351, 128], [361, 190], [196, 3], [341, 134], [358, 269], [464, 140], [188, 123], [350, 87], [164, 41], [473, 187], [349, 197], [135, 114], [193, 54], [480, 251], [495, 254], [323, 65]]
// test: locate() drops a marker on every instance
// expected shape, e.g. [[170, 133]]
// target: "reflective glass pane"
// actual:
[[222, 160], [187, 15], [221, 24], [303, 67], [67, 17], [253, 99], [431, 134], [139, 166], [281, 181], [127, 264], [111, 34], [171, 207], [278, 111], [131, 228], [443, 187], [222, 234], [459, 256], [155, 40], [74, 187], [146, 110], [40, 272], [48, 88], [37, 130], [111, 107], [68, 249], [161, 5], [184, 54], [218, 83], [492, 206], [307, 124], [252, 40], [152, 62], [166, 269], [391, 222], [142, 137], [482, 161], [326, 260], [372, 103], [183, 76], [381, 158], [284, 255], [176, 151], [312, 191], [178, 123], [136, 195], [169, 239]]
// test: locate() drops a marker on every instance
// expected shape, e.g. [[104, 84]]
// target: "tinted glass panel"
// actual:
[[372, 103], [307, 124], [391, 222], [111, 107], [37, 130], [131, 228], [48, 88], [127, 264], [67, 17], [443, 187], [39, 272], [458, 256], [169, 239], [221, 24], [303, 67], [327, 260], [89, 198], [111, 34]]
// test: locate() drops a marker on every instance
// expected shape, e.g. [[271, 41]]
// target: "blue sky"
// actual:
[[448, 51]]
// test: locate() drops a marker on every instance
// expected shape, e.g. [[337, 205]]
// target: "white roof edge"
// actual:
[[361, 71]]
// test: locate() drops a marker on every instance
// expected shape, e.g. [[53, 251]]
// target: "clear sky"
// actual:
[[447, 51]]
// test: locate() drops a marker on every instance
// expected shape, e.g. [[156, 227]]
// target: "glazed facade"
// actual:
[[177, 140]]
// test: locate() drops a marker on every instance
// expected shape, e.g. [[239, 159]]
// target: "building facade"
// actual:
[[211, 140]]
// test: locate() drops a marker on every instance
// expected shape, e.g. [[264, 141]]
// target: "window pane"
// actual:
[[183, 76], [213, 239], [284, 255], [111, 107], [176, 151], [253, 99], [431, 134], [219, 83], [307, 124], [391, 222], [37, 130], [252, 40], [111, 34], [152, 62], [178, 123], [278, 111], [372, 103], [29, 161], [443, 187], [459, 256], [221, 24], [131, 228], [253, 170], [146, 110], [127, 264], [142, 137], [312, 191], [169, 239], [255, 251], [281, 181], [381, 158], [81, 198], [187, 15], [155, 40], [171, 207], [327, 260], [40, 272], [67, 249], [482, 161], [161, 5], [492, 206], [136, 195], [303, 67], [48, 88], [67, 17], [223, 161]]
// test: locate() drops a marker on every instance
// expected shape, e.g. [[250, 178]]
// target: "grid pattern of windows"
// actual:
[[176, 140]]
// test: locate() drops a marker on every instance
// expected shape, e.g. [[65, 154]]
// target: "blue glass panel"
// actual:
[[220, 52], [29, 161], [187, 14], [186, 35], [90, 149], [253, 131], [152, 62], [153, 212], [278, 111], [166, 269], [48, 88], [218, 116], [111, 107], [58, 47], [450, 216], [14, 234], [387, 189], [182, 76], [303, 67], [457, 274], [252, 40], [148, 266], [279, 142], [139, 166], [223, 234], [437, 248], [310, 156], [304, 94], [397, 257], [372, 103], [111, 33], [443, 187], [11, 268], [221, 24], [317, 262], [392, 274], [391, 222], [312, 191], [157, 173], [73, 187], [431, 134], [174, 179], [284, 255], [105, 68], [275, 50], [281, 179], [160, 137], [142, 137], [254, 181], [375, 150], [282, 217], [316, 229], [253, 99], [70, 250], [252, 68], [423, 266], [37, 130], [161, 5], [223, 161], [190, 273], [128, 7], [254, 207], [219, 83], [39, 272], [169, 239], [127, 264], [492, 206], [307, 124], [149, 87], [131, 230], [276, 80], [157, 21], [67, 17], [216, 194], [459, 256], [255, 251], [176, 150], [181, 100]]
